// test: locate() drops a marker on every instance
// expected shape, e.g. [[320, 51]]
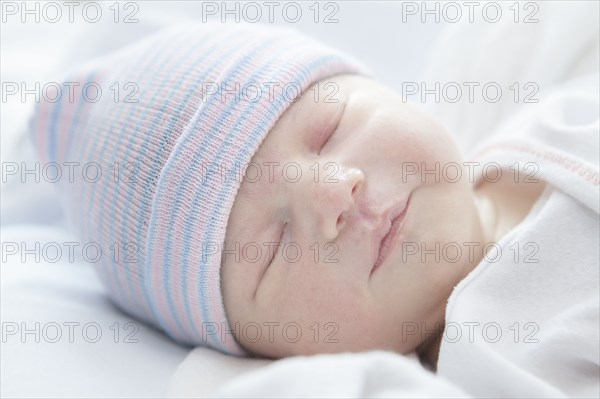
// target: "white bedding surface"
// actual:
[[62, 338]]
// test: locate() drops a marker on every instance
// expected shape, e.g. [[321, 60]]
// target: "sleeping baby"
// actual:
[[259, 193]]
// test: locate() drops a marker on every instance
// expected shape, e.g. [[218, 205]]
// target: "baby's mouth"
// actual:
[[391, 227]]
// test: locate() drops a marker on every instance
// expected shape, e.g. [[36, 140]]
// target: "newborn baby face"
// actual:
[[311, 214]]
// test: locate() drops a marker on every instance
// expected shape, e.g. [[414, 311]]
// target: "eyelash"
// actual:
[[330, 132], [324, 142], [278, 245]]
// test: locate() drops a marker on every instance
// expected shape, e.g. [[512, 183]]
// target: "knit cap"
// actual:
[[142, 137]]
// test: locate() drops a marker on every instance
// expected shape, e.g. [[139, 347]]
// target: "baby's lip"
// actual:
[[393, 216]]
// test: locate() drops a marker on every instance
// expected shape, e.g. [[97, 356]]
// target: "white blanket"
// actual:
[[345, 375], [61, 337]]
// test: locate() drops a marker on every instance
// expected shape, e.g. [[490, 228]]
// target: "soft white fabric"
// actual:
[[62, 338], [207, 373], [375, 374], [562, 45], [204, 370], [550, 287]]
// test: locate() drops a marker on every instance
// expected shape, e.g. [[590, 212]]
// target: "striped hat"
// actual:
[[147, 132]]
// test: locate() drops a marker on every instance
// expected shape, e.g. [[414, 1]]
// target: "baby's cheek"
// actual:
[[315, 318]]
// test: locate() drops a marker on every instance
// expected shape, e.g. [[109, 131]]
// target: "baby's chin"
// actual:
[[282, 350], [377, 331]]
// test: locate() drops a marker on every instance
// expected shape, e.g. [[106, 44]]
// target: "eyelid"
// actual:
[[329, 132]]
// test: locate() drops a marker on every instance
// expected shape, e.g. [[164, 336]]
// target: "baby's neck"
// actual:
[[504, 204], [429, 351]]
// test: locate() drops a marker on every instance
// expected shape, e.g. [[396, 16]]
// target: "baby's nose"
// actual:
[[334, 199]]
